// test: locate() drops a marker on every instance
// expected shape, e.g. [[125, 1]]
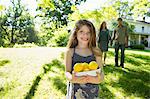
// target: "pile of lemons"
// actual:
[[79, 67]]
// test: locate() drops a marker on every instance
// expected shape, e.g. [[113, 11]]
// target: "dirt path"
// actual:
[[21, 66]]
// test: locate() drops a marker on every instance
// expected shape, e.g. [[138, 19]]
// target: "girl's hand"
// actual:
[[94, 79], [79, 80]]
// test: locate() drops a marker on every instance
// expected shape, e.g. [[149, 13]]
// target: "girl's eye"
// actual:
[[88, 33], [81, 32]]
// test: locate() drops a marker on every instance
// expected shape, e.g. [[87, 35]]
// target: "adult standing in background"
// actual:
[[120, 36], [103, 40]]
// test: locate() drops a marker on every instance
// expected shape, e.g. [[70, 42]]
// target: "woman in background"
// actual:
[[103, 40]]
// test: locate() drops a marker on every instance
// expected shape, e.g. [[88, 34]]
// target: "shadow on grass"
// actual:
[[145, 58], [4, 62], [139, 50], [138, 60], [135, 83], [58, 80], [46, 68], [131, 81], [146, 51], [59, 84], [133, 58], [33, 88], [105, 93], [55, 63]]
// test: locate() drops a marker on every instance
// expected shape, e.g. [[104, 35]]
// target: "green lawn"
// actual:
[[38, 73]]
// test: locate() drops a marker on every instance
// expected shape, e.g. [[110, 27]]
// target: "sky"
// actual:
[[30, 4], [88, 5]]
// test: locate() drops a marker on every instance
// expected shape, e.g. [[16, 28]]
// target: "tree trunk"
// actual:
[[12, 35]]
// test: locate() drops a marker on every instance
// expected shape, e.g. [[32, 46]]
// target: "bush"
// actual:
[[62, 55], [60, 38], [25, 45], [145, 43], [138, 46]]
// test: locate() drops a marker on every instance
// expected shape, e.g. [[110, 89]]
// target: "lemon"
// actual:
[[86, 69], [93, 65], [85, 65], [78, 67]]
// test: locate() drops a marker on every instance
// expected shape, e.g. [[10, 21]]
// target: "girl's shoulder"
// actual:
[[97, 51], [70, 51]]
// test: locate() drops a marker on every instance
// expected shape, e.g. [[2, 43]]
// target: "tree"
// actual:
[[133, 8], [56, 12], [15, 22], [2, 9], [141, 7], [123, 8], [96, 16]]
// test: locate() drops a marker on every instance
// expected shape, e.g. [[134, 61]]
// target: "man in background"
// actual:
[[120, 36]]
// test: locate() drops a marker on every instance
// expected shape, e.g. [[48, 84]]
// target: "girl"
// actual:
[[82, 48], [104, 38]]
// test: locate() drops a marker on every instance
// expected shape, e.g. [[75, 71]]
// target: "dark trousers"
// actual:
[[117, 47]]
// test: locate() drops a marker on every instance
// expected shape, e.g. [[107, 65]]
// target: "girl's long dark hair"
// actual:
[[73, 42], [101, 26]]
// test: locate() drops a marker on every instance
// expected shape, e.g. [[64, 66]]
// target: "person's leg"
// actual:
[[122, 55], [116, 53], [105, 53]]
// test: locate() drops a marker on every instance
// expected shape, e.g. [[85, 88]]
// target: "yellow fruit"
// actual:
[[85, 65], [78, 67], [86, 69], [93, 65]]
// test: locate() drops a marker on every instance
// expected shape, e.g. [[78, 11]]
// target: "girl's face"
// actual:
[[104, 25], [119, 22], [83, 35]]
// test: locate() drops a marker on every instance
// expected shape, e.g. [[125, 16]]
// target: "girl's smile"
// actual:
[[83, 35], [84, 39]]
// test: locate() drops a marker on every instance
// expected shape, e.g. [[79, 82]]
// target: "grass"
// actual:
[[33, 73]]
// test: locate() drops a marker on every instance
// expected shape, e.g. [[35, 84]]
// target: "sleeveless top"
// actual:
[[76, 58], [103, 41], [84, 91]]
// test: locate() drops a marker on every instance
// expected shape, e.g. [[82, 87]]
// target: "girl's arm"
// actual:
[[99, 62], [109, 37], [68, 61], [113, 37]]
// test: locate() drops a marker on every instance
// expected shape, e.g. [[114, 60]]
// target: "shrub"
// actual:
[[60, 38], [25, 45], [138, 46], [62, 55]]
